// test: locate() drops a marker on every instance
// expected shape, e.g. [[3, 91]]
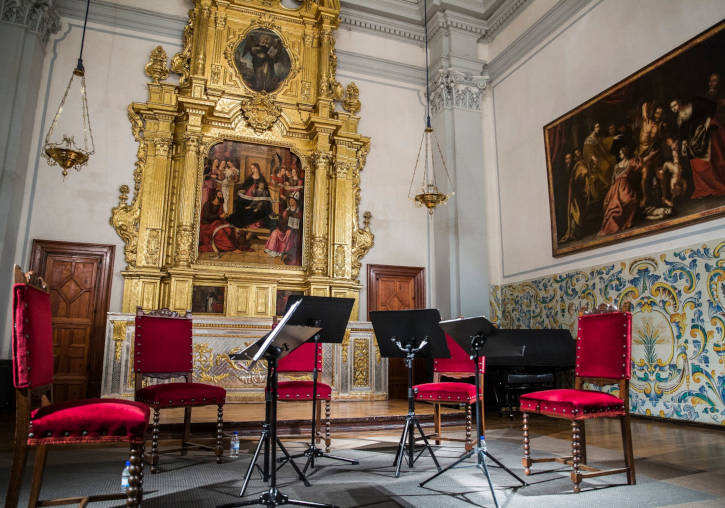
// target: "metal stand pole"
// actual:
[[477, 342]]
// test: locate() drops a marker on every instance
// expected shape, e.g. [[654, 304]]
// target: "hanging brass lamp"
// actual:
[[64, 149], [428, 194]]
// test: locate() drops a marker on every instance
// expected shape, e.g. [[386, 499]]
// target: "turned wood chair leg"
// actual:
[[41, 454], [155, 443], [576, 455], [187, 430], [526, 461], [437, 422], [327, 426], [219, 433], [16, 472], [318, 419], [134, 493], [628, 451], [469, 441]]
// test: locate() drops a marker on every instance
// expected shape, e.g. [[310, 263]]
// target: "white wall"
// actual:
[[587, 55]]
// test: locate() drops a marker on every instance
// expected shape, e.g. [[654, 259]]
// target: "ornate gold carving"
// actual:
[[362, 241], [343, 169], [352, 103], [184, 239], [119, 337], [319, 255], [156, 67], [124, 219], [339, 263], [204, 363], [181, 62], [361, 363], [260, 112], [345, 345], [335, 85], [153, 247]]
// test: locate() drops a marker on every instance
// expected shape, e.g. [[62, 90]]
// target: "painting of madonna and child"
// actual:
[[644, 155], [252, 205]]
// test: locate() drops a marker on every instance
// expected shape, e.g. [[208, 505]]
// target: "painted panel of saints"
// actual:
[[262, 60], [252, 205]]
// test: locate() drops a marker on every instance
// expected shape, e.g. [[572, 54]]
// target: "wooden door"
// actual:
[[79, 278], [398, 288]]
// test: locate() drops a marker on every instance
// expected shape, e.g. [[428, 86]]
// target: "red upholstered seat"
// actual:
[[88, 421], [573, 404], [181, 394], [40, 425], [293, 390], [446, 391], [603, 346]]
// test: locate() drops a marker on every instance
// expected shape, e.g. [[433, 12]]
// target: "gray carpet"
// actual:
[[196, 481]]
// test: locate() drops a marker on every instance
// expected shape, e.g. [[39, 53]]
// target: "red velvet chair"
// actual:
[[458, 366], [41, 424], [603, 348], [163, 350], [302, 360]]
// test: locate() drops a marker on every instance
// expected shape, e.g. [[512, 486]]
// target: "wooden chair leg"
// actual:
[[576, 455], [469, 441], [41, 454], [327, 426], [20, 456], [437, 422], [219, 433], [583, 442], [187, 430], [134, 493], [318, 419], [526, 461], [628, 451], [155, 443]]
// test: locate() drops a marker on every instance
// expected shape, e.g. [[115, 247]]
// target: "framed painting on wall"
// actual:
[[252, 205], [282, 297], [646, 154], [207, 299]]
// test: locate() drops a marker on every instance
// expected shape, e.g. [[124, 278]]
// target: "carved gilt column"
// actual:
[[341, 228], [319, 262]]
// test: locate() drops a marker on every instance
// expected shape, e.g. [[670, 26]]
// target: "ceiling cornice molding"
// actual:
[[122, 16], [355, 63], [447, 20], [380, 24], [562, 12], [503, 15]]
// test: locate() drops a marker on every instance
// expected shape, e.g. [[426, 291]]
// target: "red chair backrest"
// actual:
[[32, 341], [163, 344], [459, 361], [603, 345], [302, 359]]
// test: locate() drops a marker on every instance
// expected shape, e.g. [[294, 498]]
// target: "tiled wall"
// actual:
[[678, 330]]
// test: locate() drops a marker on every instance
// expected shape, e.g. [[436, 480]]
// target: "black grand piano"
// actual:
[[523, 360]]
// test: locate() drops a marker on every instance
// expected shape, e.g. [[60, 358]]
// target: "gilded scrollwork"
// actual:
[[340, 260], [362, 241], [260, 112], [181, 62], [352, 103], [153, 247], [119, 338], [156, 67], [361, 363], [319, 255], [204, 363]]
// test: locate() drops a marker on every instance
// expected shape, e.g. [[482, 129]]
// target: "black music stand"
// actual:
[[409, 334], [471, 335], [281, 341], [331, 315]]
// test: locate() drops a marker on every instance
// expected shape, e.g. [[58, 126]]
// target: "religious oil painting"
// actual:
[[207, 299], [252, 201], [645, 155], [262, 60], [282, 297]]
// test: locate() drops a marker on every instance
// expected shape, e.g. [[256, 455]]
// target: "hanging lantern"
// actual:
[[72, 145], [428, 194]]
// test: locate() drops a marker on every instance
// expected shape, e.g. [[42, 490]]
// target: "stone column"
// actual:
[[25, 27], [459, 234]]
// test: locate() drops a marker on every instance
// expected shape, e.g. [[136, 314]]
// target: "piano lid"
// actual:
[[530, 348]]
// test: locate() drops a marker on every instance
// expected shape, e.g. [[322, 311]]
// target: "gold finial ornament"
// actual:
[[351, 103], [64, 151], [156, 67]]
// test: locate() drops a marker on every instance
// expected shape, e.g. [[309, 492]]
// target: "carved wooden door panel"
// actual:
[[79, 278], [398, 288]]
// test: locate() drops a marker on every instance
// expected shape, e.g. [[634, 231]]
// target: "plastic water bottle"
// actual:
[[234, 446], [125, 476]]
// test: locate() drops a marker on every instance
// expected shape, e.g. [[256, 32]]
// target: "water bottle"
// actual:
[[234, 446], [125, 476], [482, 443]]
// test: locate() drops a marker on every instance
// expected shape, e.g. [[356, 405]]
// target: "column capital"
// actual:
[[454, 89], [37, 16]]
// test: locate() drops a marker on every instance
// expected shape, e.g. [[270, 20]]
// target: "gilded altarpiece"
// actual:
[[257, 94]]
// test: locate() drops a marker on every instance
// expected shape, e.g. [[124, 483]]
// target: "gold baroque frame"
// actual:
[[268, 23]]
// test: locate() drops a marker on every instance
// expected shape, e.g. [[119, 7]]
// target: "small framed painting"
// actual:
[[208, 299]]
